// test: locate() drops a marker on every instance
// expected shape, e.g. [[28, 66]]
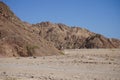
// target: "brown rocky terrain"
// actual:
[[19, 38], [99, 41], [66, 37]]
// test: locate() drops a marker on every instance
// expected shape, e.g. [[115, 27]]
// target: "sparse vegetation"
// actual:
[[31, 49], [62, 53]]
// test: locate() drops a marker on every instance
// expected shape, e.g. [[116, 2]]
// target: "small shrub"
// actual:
[[31, 49], [62, 53]]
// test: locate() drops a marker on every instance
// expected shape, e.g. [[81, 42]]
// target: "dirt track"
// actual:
[[84, 64]]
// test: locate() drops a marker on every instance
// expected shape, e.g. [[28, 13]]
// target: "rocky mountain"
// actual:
[[62, 36], [19, 38], [65, 37]]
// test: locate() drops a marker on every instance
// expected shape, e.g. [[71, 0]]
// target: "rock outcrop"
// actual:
[[65, 37], [99, 41]]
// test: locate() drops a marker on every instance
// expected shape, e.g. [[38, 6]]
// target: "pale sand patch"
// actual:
[[76, 64]]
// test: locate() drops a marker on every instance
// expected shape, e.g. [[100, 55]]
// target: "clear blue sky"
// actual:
[[100, 16]]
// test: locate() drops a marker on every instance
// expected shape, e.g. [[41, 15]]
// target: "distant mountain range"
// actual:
[[19, 38]]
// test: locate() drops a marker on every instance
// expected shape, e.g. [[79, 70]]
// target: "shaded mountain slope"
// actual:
[[62, 36], [66, 37], [99, 41]]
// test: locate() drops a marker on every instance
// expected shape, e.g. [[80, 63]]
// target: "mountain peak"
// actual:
[[5, 10], [7, 13]]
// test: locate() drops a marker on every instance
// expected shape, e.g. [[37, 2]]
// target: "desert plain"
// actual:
[[75, 64]]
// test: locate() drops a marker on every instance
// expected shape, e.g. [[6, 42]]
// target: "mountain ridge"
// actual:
[[73, 37]]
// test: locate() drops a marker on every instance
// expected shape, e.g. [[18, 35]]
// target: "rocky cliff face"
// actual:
[[19, 38], [62, 36], [66, 37], [99, 41]]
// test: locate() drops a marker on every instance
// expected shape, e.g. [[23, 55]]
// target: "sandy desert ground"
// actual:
[[76, 64]]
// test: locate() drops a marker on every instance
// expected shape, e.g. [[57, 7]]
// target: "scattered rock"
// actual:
[[34, 57], [31, 76]]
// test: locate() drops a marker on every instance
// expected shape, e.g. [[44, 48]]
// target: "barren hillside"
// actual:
[[63, 36], [18, 39]]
